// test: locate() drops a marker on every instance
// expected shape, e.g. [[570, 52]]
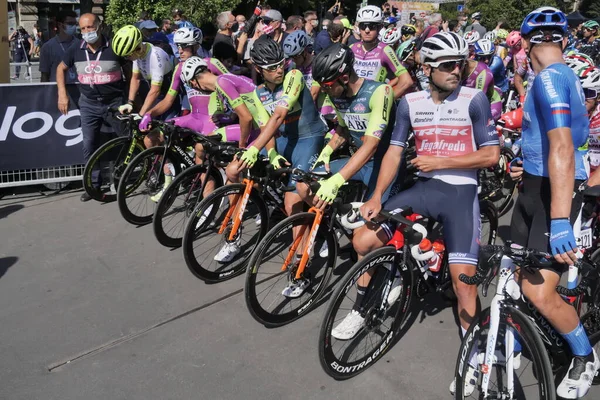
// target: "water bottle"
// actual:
[[516, 147], [435, 263], [424, 247]]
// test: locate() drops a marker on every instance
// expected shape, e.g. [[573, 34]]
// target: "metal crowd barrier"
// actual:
[[41, 176]]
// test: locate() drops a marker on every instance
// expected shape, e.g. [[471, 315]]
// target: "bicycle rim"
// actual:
[[532, 380], [269, 274], [142, 179], [177, 204], [202, 240], [343, 359]]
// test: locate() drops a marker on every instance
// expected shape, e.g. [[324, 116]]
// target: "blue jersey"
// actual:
[[499, 71], [556, 100]]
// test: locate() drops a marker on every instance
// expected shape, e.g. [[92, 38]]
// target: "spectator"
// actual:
[[476, 25], [143, 16], [294, 23], [355, 36], [419, 26], [323, 41], [225, 21], [37, 40], [273, 19], [590, 43], [241, 20], [100, 75], [335, 10], [166, 26], [435, 22], [180, 19], [23, 48], [311, 23], [151, 35], [340, 30], [53, 51], [454, 26]]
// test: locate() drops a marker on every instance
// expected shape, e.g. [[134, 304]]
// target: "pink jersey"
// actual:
[[594, 139], [378, 64]]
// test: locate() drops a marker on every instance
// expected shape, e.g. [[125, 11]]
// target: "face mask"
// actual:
[[315, 22], [90, 37], [177, 22], [70, 29]]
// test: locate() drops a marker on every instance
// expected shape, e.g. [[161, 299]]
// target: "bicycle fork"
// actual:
[[506, 285]]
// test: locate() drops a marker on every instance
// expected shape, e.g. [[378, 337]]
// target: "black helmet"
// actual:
[[266, 51], [331, 63]]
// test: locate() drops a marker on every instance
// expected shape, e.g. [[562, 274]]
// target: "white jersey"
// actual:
[[155, 66]]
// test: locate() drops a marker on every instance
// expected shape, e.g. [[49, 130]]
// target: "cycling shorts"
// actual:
[[530, 224], [456, 207], [367, 174]]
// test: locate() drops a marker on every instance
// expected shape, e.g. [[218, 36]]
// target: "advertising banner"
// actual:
[[33, 133], [409, 10]]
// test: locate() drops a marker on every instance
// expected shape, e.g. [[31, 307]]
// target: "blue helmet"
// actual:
[[390, 21], [545, 18], [295, 43]]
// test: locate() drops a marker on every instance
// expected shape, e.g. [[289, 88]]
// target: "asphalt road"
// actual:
[[94, 308]]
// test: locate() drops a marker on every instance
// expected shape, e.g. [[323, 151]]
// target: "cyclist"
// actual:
[[485, 52], [472, 37], [590, 42], [590, 81], [477, 75], [555, 126], [149, 62], [408, 32], [363, 109], [296, 46], [295, 120], [391, 37], [447, 186], [406, 55], [513, 43], [374, 60]]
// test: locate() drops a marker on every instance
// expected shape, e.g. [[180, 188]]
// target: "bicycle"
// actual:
[[488, 348], [273, 263], [108, 162], [496, 184], [187, 190], [146, 172], [235, 214], [399, 265]]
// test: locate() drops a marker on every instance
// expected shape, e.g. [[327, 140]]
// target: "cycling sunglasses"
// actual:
[[448, 66], [590, 93], [184, 46], [274, 67], [372, 26]]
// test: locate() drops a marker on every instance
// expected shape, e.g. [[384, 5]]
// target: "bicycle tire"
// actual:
[[195, 230], [118, 145], [146, 161], [260, 262], [334, 365], [533, 348], [174, 237], [489, 216], [594, 338], [503, 187]]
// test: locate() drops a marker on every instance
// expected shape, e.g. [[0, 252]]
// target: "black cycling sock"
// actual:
[[360, 295]]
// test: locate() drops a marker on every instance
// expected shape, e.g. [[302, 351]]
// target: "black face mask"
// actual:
[[235, 27]]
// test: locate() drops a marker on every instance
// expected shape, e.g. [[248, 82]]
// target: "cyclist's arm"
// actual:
[[341, 131], [150, 98], [393, 156], [315, 89], [157, 75], [486, 139], [556, 117], [381, 105], [246, 119], [293, 85], [518, 78], [402, 80]]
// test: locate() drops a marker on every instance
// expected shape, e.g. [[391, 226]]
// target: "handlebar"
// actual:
[[527, 258]]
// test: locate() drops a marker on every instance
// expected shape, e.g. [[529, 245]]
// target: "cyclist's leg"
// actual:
[[302, 154]]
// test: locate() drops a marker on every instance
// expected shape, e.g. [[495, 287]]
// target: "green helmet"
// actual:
[[405, 49], [126, 40], [502, 34], [591, 24]]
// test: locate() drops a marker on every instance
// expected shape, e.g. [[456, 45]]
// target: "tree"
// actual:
[[123, 12], [590, 8]]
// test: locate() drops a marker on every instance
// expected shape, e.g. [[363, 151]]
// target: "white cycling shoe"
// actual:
[[296, 288], [469, 382], [349, 327], [579, 378], [228, 251]]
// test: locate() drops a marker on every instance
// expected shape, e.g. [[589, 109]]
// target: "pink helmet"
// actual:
[[513, 39]]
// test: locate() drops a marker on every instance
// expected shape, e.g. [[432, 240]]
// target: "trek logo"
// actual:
[[24, 127], [440, 130]]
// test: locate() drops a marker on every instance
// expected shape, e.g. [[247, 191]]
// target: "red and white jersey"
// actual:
[[460, 125], [594, 139]]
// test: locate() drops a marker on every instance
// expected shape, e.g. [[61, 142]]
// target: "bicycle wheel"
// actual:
[[496, 184], [178, 202], [269, 274], [594, 338], [202, 242], [382, 318], [489, 222], [532, 380], [142, 179], [107, 165]]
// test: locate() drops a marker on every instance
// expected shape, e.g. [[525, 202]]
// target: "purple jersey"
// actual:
[[378, 64]]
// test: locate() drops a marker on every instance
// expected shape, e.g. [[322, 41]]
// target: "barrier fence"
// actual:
[[38, 145]]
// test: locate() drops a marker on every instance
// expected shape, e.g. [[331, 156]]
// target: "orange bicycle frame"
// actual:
[[238, 206], [307, 247]]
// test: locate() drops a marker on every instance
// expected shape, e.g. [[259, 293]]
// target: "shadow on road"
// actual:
[[6, 263], [7, 210]]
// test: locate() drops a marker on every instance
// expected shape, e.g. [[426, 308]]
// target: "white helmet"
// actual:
[[444, 44], [190, 68], [484, 47], [187, 36], [491, 36], [471, 37], [591, 79], [391, 35], [369, 14]]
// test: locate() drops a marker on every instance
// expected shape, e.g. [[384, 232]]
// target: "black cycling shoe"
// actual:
[[85, 197]]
